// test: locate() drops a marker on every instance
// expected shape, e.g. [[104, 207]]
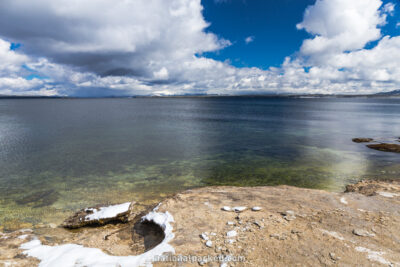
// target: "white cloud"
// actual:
[[11, 72], [162, 74], [10, 61], [100, 47], [341, 25], [389, 8], [337, 54], [249, 39], [131, 37]]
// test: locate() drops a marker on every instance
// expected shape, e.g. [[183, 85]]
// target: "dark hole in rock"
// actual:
[[151, 233]]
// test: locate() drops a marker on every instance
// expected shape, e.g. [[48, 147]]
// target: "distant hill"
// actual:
[[395, 93], [391, 93]]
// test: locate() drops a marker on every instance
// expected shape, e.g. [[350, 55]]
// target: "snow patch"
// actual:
[[374, 255], [71, 255], [22, 236], [25, 230], [256, 208], [343, 200], [226, 208], [157, 207], [107, 212], [388, 194]]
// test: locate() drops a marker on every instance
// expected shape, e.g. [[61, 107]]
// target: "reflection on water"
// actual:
[[58, 155]]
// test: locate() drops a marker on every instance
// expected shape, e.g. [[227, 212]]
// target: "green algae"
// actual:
[[59, 196]]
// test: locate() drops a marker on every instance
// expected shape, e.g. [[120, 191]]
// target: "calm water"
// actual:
[[58, 155]]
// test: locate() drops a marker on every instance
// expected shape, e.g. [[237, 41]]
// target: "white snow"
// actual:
[[230, 223], [226, 208], [209, 243], [343, 200], [22, 236], [256, 208], [157, 207], [107, 212], [72, 255], [25, 230], [388, 194], [374, 255], [232, 233], [239, 209]]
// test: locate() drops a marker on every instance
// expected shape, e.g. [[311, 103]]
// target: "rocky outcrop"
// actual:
[[371, 187], [99, 215], [385, 147], [290, 226], [362, 140]]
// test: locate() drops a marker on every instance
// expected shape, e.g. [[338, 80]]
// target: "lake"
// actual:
[[59, 155]]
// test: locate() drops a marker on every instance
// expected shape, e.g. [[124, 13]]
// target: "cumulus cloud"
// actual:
[[133, 37], [389, 8], [249, 39], [10, 61], [12, 71], [341, 25], [337, 51], [138, 47]]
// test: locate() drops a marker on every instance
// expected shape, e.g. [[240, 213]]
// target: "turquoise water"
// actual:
[[59, 155]]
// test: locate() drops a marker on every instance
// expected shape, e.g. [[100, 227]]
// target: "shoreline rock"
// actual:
[[385, 147], [362, 140], [88, 217]]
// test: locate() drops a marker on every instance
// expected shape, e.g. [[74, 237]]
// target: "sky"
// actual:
[[178, 47]]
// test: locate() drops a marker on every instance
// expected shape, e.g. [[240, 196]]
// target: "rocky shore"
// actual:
[[237, 226]]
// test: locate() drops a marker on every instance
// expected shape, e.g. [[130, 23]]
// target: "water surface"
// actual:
[[59, 155]]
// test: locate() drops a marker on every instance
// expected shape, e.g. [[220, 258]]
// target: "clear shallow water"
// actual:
[[59, 155]]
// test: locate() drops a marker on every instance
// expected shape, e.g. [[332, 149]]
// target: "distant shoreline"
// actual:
[[206, 96]]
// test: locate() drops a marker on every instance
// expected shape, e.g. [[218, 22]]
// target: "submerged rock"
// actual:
[[39, 199], [385, 147], [362, 140], [99, 215]]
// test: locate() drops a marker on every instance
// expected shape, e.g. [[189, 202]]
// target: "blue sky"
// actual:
[[272, 23], [226, 47]]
